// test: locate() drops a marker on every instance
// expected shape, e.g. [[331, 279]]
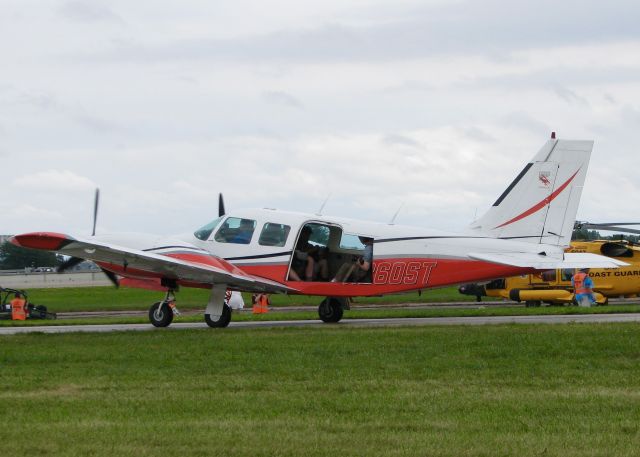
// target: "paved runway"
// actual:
[[392, 322]]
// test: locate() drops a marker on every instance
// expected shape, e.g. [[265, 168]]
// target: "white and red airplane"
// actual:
[[270, 251]]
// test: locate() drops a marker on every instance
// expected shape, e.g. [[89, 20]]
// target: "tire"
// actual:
[[160, 317], [222, 321], [532, 303], [330, 310]]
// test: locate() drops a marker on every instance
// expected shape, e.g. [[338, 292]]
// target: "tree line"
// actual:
[[13, 257]]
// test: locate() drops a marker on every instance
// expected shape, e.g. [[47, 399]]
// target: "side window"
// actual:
[[567, 273], [349, 241], [274, 234], [549, 275], [236, 230]]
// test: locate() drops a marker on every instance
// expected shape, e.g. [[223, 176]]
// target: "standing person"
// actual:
[[583, 286], [18, 308]]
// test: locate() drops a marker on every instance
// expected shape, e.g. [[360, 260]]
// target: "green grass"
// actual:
[[352, 314], [111, 299], [565, 390]]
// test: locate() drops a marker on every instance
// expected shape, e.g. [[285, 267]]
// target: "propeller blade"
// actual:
[[69, 263], [220, 205], [95, 211], [112, 277]]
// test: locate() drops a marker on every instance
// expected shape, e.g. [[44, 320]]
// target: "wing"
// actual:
[[196, 266], [543, 262]]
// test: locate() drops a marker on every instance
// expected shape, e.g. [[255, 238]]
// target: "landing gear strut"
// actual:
[[161, 313], [331, 309], [218, 313]]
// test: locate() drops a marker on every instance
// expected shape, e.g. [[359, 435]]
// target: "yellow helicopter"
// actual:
[[554, 286]]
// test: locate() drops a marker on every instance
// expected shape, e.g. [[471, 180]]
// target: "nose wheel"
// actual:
[[161, 313]]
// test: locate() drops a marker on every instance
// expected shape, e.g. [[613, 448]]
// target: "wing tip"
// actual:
[[48, 241]]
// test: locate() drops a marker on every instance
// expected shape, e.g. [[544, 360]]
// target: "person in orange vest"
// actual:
[[260, 303], [18, 308], [583, 286]]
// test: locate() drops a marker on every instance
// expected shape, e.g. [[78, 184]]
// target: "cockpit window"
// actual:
[[274, 234], [204, 233], [236, 230]]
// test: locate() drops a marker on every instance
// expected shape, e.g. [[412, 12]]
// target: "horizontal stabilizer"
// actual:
[[544, 262]]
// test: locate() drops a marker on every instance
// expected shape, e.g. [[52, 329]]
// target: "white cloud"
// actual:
[[436, 104], [53, 181]]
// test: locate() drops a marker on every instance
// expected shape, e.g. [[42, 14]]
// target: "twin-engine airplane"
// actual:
[[270, 251]]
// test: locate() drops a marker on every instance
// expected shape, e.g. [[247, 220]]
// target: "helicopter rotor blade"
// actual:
[[610, 226]]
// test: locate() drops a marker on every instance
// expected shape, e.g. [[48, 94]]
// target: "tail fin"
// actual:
[[541, 203]]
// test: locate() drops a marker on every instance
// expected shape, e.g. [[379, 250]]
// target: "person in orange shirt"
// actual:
[[18, 308], [583, 286]]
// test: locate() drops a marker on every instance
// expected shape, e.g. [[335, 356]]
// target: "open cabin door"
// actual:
[[324, 253]]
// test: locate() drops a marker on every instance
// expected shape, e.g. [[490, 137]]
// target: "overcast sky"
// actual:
[[434, 105]]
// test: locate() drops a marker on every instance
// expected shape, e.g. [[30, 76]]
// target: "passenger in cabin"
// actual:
[[360, 269], [321, 266], [244, 232], [303, 264]]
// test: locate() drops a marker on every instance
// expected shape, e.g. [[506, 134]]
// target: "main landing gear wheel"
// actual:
[[160, 316], [222, 321], [330, 310]]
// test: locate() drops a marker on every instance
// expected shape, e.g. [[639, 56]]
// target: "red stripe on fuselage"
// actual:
[[538, 206], [390, 275]]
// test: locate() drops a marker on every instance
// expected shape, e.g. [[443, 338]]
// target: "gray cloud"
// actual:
[[395, 139], [570, 96], [88, 11], [492, 28], [523, 120], [553, 77], [478, 134], [282, 98]]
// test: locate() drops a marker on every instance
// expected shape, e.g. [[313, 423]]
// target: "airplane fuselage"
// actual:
[[404, 258]]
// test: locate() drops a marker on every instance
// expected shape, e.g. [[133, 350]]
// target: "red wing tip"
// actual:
[[49, 241]]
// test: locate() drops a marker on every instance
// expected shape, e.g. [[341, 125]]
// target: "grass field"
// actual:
[[112, 299], [559, 390], [353, 314]]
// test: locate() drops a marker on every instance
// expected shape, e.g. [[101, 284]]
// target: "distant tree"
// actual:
[[588, 235], [13, 257], [585, 235]]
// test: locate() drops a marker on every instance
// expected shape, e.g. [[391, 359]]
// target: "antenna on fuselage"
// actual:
[[319, 213], [393, 219]]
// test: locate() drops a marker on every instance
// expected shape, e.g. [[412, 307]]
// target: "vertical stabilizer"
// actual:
[[541, 203]]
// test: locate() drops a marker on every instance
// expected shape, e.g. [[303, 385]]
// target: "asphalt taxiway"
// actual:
[[389, 322]]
